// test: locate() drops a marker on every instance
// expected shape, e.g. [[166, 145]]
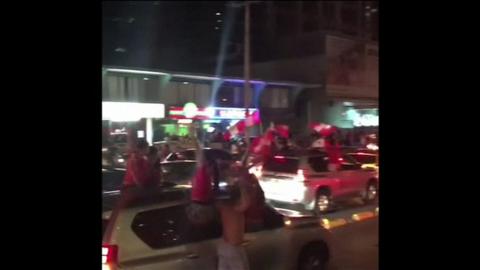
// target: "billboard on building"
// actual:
[[352, 68]]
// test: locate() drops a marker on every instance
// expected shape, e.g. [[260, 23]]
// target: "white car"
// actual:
[[303, 182], [153, 232]]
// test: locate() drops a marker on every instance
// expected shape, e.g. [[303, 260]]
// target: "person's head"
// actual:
[[142, 147]]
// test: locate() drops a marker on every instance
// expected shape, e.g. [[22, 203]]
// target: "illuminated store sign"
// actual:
[[366, 120], [131, 111], [362, 119], [215, 113]]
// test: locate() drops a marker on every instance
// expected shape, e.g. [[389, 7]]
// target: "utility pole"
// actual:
[[246, 67], [246, 64]]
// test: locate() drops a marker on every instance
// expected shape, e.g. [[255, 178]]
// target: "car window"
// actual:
[[319, 163], [268, 220], [119, 138], [112, 179], [282, 164], [219, 154], [183, 155], [168, 227], [349, 163], [365, 158], [178, 172], [348, 159]]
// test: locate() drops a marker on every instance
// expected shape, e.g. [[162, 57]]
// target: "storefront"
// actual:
[[211, 119], [128, 121]]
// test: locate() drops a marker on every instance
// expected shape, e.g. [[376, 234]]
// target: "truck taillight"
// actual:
[[109, 256]]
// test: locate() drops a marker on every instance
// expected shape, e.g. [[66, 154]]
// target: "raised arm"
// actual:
[[198, 146]]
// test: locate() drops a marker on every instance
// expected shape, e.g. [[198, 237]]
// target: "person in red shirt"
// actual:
[[138, 168], [138, 177], [334, 153], [201, 209], [154, 162]]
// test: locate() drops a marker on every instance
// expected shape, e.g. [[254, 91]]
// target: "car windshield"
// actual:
[[112, 179], [119, 138], [365, 158], [183, 155]]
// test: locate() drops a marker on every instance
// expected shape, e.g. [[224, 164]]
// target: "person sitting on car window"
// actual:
[[154, 162], [138, 177], [201, 209], [139, 169], [334, 153]]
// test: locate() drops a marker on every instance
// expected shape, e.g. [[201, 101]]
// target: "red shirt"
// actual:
[[334, 153], [137, 168], [202, 186]]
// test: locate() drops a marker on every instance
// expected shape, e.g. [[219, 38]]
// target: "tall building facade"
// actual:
[[332, 44]]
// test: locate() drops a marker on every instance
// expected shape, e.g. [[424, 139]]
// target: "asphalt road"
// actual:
[[356, 246]]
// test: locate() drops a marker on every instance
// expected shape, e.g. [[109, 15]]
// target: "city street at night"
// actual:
[[240, 135], [357, 246], [356, 240]]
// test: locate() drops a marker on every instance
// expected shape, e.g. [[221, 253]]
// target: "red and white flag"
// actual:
[[239, 128], [323, 129], [283, 131]]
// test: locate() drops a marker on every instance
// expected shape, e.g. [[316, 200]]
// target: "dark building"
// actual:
[[152, 101], [328, 45], [175, 35], [332, 44]]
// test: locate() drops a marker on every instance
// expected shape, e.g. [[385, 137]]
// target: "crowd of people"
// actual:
[[242, 200]]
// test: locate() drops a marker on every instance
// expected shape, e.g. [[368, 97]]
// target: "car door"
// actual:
[[202, 244], [172, 242], [321, 176], [351, 175], [265, 242]]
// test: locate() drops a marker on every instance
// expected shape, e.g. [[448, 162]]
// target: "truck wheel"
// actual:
[[371, 192]]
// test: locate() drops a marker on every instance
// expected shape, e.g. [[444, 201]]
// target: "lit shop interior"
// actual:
[[123, 119], [211, 120]]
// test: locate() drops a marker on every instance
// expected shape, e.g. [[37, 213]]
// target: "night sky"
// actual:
[[166, 35]]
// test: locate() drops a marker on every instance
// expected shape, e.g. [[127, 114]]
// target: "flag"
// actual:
[[239, 128], [262, 144], [323, 129], [283, 131], [253, 119]]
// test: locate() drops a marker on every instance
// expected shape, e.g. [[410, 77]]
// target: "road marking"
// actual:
[[329, 224], [362, 216], [333, 223]]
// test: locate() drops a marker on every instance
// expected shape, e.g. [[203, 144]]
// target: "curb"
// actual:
[[357, 217]]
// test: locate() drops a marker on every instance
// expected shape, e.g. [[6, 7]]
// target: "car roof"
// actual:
[[296, 153], [152, 196]]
